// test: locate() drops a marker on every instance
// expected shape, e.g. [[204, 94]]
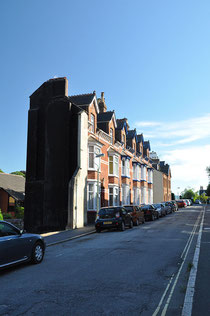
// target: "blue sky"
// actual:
[[151, 58]]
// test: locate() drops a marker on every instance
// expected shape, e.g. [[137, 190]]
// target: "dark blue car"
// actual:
[[17, 246]]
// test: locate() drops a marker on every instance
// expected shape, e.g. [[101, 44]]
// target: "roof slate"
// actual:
[[82, 99], [14, 185], [105, 116]]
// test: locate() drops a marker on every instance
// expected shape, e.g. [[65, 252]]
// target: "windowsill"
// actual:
[[96, 170], [136, 180], [113, 175], [125, 177]]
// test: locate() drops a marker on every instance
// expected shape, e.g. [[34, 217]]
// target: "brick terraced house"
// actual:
[[80, 157]]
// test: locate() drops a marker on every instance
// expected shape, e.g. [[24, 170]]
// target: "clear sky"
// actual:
[[151, 58]]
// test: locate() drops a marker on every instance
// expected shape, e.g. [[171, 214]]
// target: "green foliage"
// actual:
[[208, 171], [1, 216], [1, 171], [19, 173], [208, 190], [7, 216], [19, 212], [188, 194], [203, 198]]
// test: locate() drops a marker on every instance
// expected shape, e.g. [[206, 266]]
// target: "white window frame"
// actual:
[[92, 119], [96, 161], [115, 195], [126, 167], [136, 195], [94, 183], [126, 194], [115, 165]]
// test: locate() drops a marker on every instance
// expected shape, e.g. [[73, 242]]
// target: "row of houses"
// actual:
[[81, 157], [120, 169]]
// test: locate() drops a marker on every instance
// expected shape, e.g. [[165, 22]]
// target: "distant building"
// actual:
[[201, 191], [12, 192], [162, 180]]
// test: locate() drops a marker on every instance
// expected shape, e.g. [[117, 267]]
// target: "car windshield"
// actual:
[[157, 205]]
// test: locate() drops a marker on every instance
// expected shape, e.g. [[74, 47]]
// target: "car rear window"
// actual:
[[128, 208], [108, 212], [145, 207]]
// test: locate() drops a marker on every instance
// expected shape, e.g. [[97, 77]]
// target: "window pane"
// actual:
[[111, 165]]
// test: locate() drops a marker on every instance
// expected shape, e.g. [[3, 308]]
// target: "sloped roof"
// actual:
[[165, 168], [106, 117], [147, 144], [82, 99], [14, 185], [140, 138], [131, 134]]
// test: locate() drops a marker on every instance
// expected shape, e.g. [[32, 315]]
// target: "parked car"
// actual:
[[113, 217], [136, 213], [175, 206], [170, 205], [181, 203], [167, 207], [160, 208], [18, 246], [197, 202], [150, 213]]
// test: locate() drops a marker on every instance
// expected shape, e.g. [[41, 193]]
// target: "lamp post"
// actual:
[[178, 191], [98, 156]]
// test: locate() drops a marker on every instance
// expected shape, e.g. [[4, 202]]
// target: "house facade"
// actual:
[[80, 157]]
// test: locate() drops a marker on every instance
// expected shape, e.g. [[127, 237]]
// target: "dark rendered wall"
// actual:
[[51, 156]]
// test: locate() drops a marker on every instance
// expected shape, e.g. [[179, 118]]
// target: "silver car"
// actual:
[[17, 246]]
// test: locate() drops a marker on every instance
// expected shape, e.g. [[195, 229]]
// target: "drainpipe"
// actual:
[[72, 207]]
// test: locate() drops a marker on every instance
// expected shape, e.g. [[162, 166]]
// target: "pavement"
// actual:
[[54, 238]]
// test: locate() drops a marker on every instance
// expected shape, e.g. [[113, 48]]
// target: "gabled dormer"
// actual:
[[107, 123], [88, 102], [146, 148], [132, 140], [140, 144], [121, 130]]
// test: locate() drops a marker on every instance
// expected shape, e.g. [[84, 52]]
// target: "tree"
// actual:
[[208, 190], [188, 194], [1, 171], [172, 196], [208, 171], [19, 173]]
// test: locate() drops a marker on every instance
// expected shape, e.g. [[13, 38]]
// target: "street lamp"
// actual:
[[98, 156], [178, 191]]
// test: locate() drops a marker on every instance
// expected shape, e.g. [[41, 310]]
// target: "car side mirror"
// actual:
[[22, 231]]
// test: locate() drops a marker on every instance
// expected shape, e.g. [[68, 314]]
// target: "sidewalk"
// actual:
[[54, 238]]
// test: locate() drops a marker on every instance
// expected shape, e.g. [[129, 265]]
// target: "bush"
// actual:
[[19, 212], [7, 215], [1, 216]]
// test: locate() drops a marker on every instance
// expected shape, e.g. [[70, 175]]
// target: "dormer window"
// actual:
[[92, 118]]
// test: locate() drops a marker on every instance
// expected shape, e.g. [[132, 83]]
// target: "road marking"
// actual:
[[188, 302], [185, 251]]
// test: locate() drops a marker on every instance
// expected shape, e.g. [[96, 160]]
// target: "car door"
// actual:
[[126, 216], [12, 246]]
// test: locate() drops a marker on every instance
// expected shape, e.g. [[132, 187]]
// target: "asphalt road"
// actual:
[[141, 271]]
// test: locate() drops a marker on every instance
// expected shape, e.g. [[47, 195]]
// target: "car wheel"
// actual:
[[137, 222], [143, 221], [37, 253], [131, 224], [98, 230], [122, 228], [157, 216]]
